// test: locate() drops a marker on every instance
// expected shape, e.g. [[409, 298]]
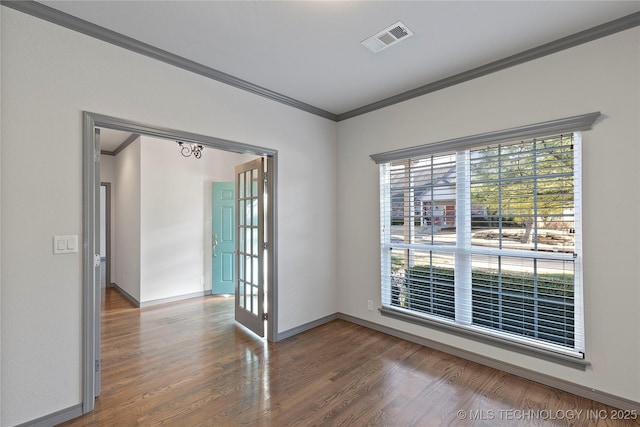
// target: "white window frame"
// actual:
[[463, 249]]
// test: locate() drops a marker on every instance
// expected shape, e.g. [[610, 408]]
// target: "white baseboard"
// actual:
[[175, 298], [158, 301]]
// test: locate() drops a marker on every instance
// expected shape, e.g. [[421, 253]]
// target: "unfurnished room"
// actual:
[[305, 213]]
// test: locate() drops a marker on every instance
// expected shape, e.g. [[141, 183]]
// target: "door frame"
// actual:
[[91, 233]]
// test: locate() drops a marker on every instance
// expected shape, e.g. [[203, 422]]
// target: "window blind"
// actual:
[[488, 238]]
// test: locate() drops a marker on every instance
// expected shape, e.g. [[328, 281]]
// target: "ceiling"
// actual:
[[111, 139], [310, 51]]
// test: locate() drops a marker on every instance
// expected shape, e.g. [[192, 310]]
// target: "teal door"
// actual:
[[223, 238]]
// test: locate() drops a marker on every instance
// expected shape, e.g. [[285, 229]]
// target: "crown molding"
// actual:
[[47, 13], [594, 33], [55, 16]]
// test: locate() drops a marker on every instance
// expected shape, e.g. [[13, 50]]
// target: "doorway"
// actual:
[[91, 219]]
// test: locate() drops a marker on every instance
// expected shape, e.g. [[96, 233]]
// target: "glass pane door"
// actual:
[[250, 237]]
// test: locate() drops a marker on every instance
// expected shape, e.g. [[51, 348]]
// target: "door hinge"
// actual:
[[265, 245], [97, 365], [265, 316], [264, 177]]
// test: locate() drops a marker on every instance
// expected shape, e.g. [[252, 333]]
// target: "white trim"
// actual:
[[175, 298], [578, 297], [385, 232], [552, 256], [463, 296], [518, 343]]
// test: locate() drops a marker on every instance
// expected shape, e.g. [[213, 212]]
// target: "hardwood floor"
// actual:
[[188, 364]]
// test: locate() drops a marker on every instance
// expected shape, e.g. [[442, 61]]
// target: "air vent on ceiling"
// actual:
[[387, 37]]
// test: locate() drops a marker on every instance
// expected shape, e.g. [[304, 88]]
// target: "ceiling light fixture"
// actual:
[[387, 37], [188, 149]]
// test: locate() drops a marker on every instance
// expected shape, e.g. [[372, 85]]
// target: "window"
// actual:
[[483, 234]]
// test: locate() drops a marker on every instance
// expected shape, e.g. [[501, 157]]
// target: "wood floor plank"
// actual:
[[188, 364]]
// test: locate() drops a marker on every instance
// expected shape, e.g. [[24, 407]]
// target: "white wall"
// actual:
[[103, 222], [49, 76], [171, 219], [127, 242], [175, 208], [107, 168], [108, 174], [603, 75]]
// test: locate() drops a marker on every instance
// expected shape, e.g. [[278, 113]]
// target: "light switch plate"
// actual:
[[65, 244]]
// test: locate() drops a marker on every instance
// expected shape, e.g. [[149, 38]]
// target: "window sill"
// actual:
[[573, 362]]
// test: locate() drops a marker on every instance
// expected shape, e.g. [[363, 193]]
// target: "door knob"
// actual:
[[214, 243]]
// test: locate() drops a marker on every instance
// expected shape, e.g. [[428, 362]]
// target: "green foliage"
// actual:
[[397, 262], [518, 303], [525, 181], [548, 284]]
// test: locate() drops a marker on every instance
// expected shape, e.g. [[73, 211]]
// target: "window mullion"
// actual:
[[535, 195], [500, 294], [462, 272], [431, 201], [409, 223], [536, 314]]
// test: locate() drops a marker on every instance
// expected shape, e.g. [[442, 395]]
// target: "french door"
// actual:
[[250, 253]]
